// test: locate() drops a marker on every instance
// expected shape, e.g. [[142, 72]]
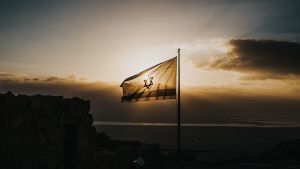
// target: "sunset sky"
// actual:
[[240, 59]]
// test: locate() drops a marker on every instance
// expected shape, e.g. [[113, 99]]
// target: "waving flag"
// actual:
[[155, 83]]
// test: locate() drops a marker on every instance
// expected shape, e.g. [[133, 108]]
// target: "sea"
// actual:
[[222, 140]]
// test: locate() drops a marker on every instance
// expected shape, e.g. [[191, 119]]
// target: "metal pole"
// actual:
[[178, 110]]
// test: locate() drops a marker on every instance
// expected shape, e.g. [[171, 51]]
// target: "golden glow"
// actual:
[[97, 43]]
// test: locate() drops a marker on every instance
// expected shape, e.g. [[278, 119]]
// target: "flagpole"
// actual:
[[178, 110]]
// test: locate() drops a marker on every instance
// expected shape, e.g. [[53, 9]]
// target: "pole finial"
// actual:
[[178, 49]]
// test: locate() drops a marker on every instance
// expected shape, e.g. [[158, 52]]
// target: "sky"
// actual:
[[240, 59]]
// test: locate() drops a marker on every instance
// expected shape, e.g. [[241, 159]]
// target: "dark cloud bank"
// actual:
[[269, 57], [197, 106]]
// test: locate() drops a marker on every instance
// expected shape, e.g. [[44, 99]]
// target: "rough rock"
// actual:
[[46, 132]]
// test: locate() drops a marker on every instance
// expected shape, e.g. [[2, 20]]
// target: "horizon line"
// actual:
[[260, 124]]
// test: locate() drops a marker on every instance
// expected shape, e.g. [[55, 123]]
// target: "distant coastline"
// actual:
[[231, 124]]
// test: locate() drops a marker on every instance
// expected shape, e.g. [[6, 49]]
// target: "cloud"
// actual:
[[13, 76], [53, 79], [269, 58], [4, 74], [20, 77]]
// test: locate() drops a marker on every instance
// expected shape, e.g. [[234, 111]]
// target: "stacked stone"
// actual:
[[33, 131]]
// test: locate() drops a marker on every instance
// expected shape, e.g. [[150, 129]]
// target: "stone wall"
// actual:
[[46, 132]]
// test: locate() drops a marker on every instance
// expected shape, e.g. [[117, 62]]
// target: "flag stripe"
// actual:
[[152, 95]]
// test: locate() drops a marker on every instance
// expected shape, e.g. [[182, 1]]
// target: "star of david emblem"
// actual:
[[148, 82]]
